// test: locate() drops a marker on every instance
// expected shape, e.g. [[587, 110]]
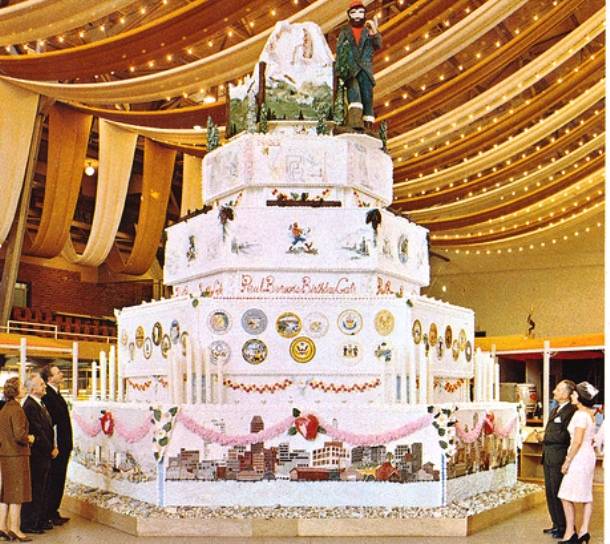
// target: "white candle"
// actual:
[[198, 353], [120, 380], [208, 376], [112, 373], [393, 379], [23, 349], [103, 375], [75, 370], [170, 377], [383, 385], [220, 383], [403, 357], [491, 379], [412, 376], [93, 395], [423, 374], [189, 371], [477, 376]]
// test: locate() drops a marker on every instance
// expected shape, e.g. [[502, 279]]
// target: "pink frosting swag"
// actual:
[[468, 437], [90, 429], [504, 432], [283, 426], [129, 435]]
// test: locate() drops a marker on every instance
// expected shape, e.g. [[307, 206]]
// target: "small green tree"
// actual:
[[213, 135], [322, 114], [383, 136], [340, 104], [263, 125]]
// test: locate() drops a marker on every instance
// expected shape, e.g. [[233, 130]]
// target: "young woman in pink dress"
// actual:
[[577, 483]]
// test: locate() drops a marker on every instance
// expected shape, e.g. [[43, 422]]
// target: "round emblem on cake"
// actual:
[[157, 333], [448, 337], [302, 349], [139, 336], [254, 351], [219, 322], [183, 341], [384, 322], [132, 351], [383, 352], [349, 322], [350, 353], [433, 334], [455, 349], [166, 345], [148, 347], [254, 321], [316, 325], [463, 340], [403, 249], [220, 352], [416, 331], [124, 337], [468, 351], [174, 332], [288, 325]]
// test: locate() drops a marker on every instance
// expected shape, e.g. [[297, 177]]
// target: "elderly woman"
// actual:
[[14, 462], [577, 483]]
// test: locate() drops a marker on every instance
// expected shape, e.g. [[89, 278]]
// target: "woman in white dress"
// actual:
[[578, 468]]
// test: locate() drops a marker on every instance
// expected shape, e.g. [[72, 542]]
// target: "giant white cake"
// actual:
[[297, 352]]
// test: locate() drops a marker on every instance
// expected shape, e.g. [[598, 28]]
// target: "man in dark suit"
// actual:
[[60, 416], [361, 39], [555, 447], [33, 514]]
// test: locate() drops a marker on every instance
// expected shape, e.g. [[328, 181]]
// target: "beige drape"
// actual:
[[35, 19], [117, 148], [156, 186], [17, 114], [192, 189], [67, 150], [231, 63]]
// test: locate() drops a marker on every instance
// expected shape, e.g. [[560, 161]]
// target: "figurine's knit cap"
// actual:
[[356, 4]]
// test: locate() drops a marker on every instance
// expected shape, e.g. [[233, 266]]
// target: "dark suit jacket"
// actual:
[[40, 427], [556, 436], [361, 54], [14, 430], [60, 416]]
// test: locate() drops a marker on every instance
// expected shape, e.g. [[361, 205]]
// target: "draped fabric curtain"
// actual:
[[156, 187], [116, 152], [192, 187], [506, 150], [18, 110], [499, 94], [34, 19], [445, 45], [231, 63], [67, 150]]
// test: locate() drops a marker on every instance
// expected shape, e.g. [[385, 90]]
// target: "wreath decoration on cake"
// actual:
[[107, 423]]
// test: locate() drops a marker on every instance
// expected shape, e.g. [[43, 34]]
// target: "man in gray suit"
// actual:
[[361, 38]]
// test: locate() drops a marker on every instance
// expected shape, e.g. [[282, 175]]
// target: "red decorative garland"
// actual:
[[449, 387], [253, 388], [107, 423], [139, 386], [342, 388]]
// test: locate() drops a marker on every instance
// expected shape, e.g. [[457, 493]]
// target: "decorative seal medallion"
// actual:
[[316, 324], [349, 322], [288, 325], [463, 340], [468, 351], [174, 332], [416, 331], [302, 349], [254, 321], [157, 333], [448, 337], [433, 334], [384, 322], [140, 336], [219, 322], [254, 351], [350, 353], [220, 352], [403, 249], [166, 345], [455, 349], [148, 347]]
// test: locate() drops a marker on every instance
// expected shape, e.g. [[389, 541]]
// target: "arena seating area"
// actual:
[[47, 323]]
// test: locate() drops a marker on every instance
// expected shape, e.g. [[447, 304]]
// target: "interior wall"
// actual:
[[564, 287]]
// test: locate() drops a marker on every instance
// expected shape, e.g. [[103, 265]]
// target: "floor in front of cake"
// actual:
[[525, 528]]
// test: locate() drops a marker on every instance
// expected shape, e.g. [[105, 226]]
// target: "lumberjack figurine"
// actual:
[[355, 48]]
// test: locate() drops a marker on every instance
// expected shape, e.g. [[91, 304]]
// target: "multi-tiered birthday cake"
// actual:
[[297, 363]]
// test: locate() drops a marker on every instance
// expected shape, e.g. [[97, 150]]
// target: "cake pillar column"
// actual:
[[208, 376], [120, 380], [103, 375], [219, 383], [403, 363], [490, 380], [413, 376], [189, 371], [170, 376], [93, 395], [199, 354], [477, 376], [111, 373]]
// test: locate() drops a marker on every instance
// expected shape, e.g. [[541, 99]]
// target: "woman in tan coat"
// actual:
[[14, 462]]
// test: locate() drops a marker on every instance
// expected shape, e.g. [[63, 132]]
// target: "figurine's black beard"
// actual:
[[358, 23]]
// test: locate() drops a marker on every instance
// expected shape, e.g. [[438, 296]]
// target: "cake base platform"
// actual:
[[459, 519]]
